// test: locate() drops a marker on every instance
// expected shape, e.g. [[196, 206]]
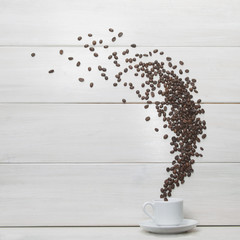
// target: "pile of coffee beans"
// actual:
[[174, 104]]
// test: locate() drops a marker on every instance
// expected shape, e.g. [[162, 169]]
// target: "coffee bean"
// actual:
[[91, 49], [110, 30], [86, 45], [94, 42], [156, 129], [89, 69], [124, 100], [100, 41], [168, 58], [186, 71], [202, 148], [91, 84], [70, 58], [204, 136], [133, 45], [79, 38], [115, 84], [165, 136], [61, 52], [147, 119], [105, 46], [125, 84], [78, 64], [33, 54], [51, 71], [95, 55], [81, 79], [120, 34], [113, 39], [161, 53], [181, 62], [90, 35], [155, 50]]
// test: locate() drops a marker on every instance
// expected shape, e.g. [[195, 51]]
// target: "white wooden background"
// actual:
[[77, 158]]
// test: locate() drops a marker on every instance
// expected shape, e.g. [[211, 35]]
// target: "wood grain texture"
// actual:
[[159, 22], [112, 194], [106, 133], [26, 79], [118, 233]]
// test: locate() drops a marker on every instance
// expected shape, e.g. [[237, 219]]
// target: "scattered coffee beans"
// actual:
[[174, 104], [51, 71]]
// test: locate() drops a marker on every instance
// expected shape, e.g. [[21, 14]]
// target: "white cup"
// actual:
[[165, 212]]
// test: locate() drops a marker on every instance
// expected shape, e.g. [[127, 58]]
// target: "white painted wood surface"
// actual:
[[26, 79], [106, 133], [95, 164], [152, 22], [112, 194], [118, 233]]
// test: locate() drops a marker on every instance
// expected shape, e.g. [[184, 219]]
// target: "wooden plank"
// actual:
[[106, 133], [26, 79], [159, 22], [126, 233], [112, 194]]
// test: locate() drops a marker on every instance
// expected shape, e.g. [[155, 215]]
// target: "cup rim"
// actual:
[[170, 200]]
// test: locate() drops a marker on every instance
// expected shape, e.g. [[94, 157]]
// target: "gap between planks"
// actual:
[[117, 46], [112, 226], [101, 163], [5, 103]]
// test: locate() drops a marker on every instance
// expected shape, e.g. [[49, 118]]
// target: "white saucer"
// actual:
[[186, 225]]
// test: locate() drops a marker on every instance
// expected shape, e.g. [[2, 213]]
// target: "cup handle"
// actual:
[[145, 210]]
